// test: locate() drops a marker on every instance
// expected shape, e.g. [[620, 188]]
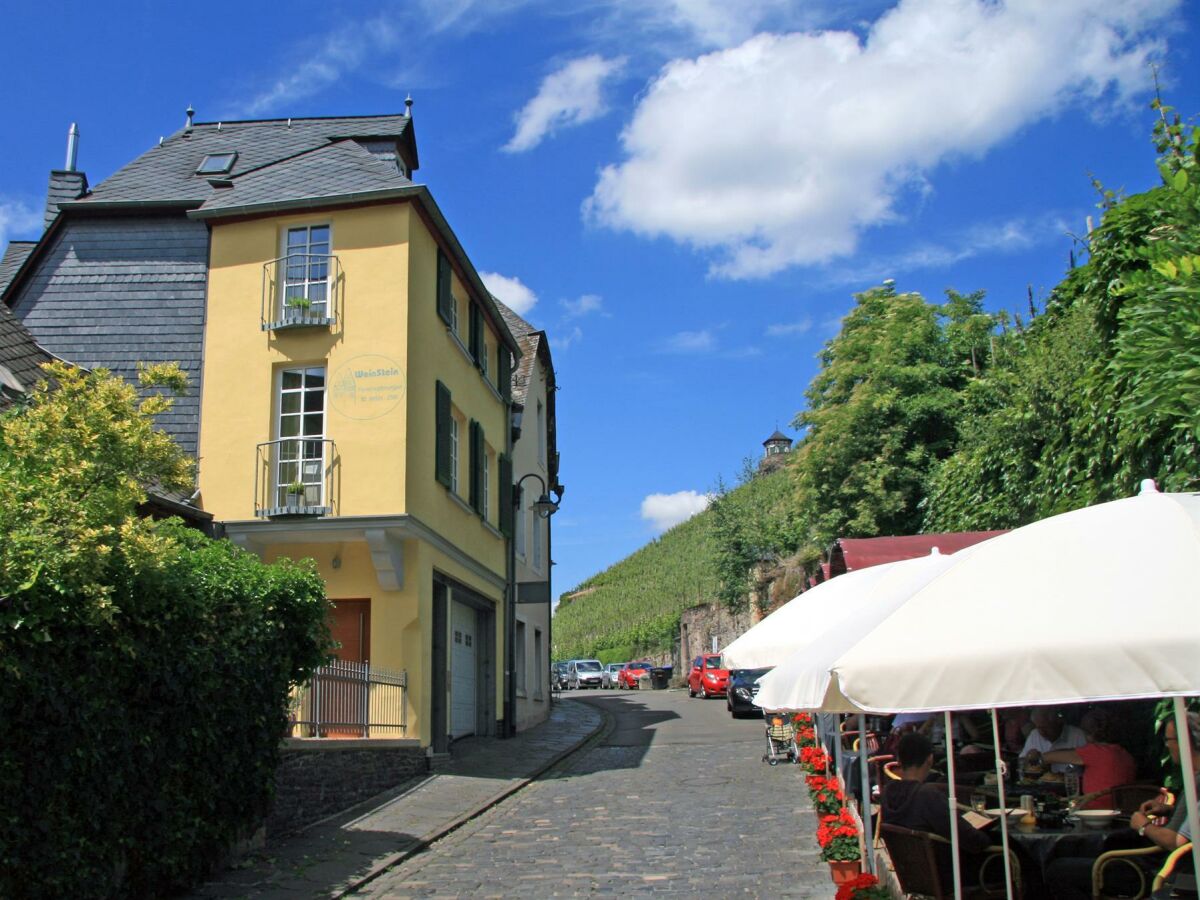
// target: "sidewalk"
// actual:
[[333, 857]]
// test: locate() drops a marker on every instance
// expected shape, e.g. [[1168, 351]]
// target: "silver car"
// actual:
[[609, 680], [584, 673]]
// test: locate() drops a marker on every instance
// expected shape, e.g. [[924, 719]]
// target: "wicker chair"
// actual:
[[1130, 859], [915, 856], [1176, 869]]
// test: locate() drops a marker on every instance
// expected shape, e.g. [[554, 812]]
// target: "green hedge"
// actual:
[[141, 744]]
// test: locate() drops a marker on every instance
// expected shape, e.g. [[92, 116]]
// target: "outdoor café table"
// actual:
[[1037, 789], [1044, 844]]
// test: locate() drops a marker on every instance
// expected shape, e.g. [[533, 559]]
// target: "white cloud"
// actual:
[[665, 511], [690, 342], [587, 303], [562, 342], [315, 65], [18, 221], [782, 150], [1007, 236], [787, 329], [510, 291], [569, 96]]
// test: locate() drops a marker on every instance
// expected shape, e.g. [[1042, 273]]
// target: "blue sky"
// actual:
[[684, 198]]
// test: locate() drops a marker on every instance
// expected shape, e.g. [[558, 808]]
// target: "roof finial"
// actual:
[[190, 115], [1148, 486], [408, 102]]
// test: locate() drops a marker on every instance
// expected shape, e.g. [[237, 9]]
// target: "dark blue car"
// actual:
[[743, 686]]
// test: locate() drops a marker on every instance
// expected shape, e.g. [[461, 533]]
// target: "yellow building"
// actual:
[[355, 401]]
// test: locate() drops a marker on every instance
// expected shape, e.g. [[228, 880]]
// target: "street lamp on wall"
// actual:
[[543, 506]]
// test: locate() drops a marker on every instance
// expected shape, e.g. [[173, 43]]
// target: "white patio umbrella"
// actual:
[[1091, 605], [833, 622], [776, 637], [801, 679]]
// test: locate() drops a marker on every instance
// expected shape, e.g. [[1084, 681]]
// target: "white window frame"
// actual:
[[310, 469], [486, 486], [519, 530], [453, 451], [520, 660], [541, 434], [542, 675], [536, 562], [285, 249]]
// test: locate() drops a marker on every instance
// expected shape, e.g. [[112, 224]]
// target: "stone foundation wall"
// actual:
[[699, 625], [319, 777]]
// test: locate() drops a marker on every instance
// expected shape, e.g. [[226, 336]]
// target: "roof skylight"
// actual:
[[216, 163]]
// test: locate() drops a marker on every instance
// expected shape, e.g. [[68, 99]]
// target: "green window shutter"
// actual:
[[445, 298], [477, 451], [478, 345], [506, 496], [504, 375], [442, 464]]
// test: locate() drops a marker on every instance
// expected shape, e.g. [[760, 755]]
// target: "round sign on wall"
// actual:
[[367, 387]]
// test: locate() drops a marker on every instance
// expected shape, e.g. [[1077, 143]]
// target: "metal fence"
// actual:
[[350, 700]]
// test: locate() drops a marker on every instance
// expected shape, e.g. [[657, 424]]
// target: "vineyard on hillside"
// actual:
[[633, 607]]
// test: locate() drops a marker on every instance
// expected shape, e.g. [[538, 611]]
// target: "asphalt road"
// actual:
[[673, 798]]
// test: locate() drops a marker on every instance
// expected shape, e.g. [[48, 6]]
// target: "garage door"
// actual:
[[463, 669]]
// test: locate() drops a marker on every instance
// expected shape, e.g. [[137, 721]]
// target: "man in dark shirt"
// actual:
[[914, 803]]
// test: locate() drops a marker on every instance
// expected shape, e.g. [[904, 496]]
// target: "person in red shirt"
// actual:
[[1105, 764]]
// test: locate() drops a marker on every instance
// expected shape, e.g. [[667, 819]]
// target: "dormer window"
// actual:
[[217, 163]]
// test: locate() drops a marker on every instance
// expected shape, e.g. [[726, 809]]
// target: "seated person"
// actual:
[[1155, 822], [973, 732], [1105, 764], [1015, 727], [1050, 732], [1166, 825], [914, 803]]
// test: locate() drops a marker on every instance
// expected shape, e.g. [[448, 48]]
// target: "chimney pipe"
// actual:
[[190, 113], [408, 102], [72, 147]]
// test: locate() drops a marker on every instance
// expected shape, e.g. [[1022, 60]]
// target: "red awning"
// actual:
[[849, 554]]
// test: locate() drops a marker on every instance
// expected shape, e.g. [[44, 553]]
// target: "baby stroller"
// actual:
[[781, 739]]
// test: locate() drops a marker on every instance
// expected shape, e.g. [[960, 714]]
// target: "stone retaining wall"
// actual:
[[319, 777]]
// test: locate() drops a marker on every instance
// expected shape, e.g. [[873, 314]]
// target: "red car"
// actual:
[[707, 678], [631, 672]]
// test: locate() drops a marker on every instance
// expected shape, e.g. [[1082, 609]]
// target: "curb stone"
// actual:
[[598, 733]]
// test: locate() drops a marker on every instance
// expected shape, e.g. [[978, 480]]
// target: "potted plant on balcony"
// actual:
[[294, 494], [296, 309]]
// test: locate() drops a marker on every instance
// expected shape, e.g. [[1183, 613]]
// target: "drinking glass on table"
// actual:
[[978, 801], [1071, 780]]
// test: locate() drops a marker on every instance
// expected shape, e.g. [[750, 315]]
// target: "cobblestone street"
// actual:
[[673, 798]]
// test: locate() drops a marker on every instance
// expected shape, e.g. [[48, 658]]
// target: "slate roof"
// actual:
[[20, 357], [14, 256], [167, 173], [530, 339], [343, 169]]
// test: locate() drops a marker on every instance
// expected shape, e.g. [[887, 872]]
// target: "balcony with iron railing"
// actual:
[[301, 290], [294, 477]]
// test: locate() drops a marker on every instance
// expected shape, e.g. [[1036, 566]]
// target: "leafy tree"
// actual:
[[1102, 389], [145, 667], [754, 524], [884, 409]]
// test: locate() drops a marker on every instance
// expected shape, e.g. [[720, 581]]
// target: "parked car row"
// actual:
[[707, 678], [574, 674]]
